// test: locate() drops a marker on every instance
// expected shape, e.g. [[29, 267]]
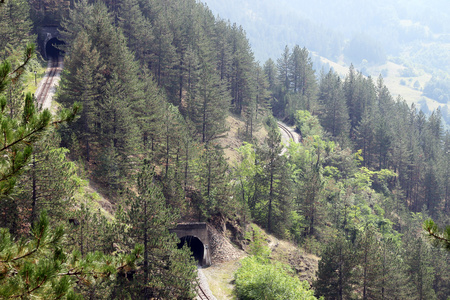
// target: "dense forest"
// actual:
[[373, 36], [141, 110]]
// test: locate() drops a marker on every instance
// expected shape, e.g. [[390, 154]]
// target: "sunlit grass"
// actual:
[[31, 79]]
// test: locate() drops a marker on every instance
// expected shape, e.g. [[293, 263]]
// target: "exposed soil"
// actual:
[[233, 138]]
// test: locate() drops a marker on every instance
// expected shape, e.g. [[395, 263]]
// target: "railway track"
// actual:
[[48, 80], [285, 129], [201, 293]]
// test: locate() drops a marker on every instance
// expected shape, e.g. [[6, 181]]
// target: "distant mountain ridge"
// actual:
[[412, 34]]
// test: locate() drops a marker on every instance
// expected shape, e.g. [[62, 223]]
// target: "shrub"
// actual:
[[258, 278]]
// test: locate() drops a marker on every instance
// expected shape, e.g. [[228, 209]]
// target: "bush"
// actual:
[[257, 278]]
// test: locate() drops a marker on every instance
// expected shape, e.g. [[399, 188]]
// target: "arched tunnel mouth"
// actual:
[[51, 48], [196, 246]]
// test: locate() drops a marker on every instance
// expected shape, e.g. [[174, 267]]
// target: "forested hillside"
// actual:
[[405, 41], [143, 103]]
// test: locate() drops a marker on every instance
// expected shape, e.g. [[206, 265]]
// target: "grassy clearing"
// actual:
[[31, 82], [220, 278]]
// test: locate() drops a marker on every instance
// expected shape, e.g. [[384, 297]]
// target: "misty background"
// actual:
[[407, 42]]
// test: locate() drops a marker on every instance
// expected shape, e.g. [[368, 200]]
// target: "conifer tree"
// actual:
[[15, 28], [335, 115], [258, 104], [335, 276], [302, 78], [283, 69], [81, 80], [147, 219], [225, 52], [110, 85], [275, 205], [138, 30], [40, 267], [352, 90], [370, 269], [242, 86], [210, 105], [420, 268], [214, 183], [49, 183], [271, 73], [394, 281]]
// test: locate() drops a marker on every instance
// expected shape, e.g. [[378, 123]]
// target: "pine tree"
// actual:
[[370, 269], [394, 280], [335, 115], [40, 267], [242, 86], [110, 85], [49, 183], [420, 268], [147, 219], [271, 73], [258, 105], [15, 28], [80, 80], [214, 183], [275, 205], [18, 134], [335, 277], [209, 106], [138, 30], [302, 78], [283, 69]]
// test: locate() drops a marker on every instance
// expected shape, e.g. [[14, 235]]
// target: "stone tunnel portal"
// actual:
[[51, 48], [195, 235], [196, 246]]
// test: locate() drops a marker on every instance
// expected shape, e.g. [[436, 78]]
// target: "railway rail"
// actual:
[[48, 81], [201, 294], [285, 129]]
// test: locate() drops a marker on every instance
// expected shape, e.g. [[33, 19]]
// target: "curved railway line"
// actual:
[[48, 81], [285, 129]]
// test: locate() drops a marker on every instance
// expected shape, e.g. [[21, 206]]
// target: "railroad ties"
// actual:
[[48, 81], [201, 293], [288, 132]]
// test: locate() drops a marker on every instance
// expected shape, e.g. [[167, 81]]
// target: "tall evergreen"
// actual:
[[335, 276], [146, 219], [334, 114], [275, 206]]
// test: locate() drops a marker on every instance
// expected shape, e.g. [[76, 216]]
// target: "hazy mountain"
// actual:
[[408, 42]]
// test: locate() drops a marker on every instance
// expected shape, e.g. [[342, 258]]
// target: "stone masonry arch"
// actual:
[[196, 236]]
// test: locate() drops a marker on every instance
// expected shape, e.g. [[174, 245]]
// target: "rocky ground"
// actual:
[[226, 257]]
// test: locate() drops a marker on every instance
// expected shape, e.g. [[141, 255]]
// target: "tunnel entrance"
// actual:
[[196, 246], [51, 48]]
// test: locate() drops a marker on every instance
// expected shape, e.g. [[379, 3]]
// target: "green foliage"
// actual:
[[257, 278], [307, 124], [40, 268], [146, 221], [438, 237], [258, 244]]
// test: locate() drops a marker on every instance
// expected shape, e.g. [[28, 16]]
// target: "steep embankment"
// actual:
[[226, 258]]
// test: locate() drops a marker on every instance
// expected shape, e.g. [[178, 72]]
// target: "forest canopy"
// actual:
[[160, 84]]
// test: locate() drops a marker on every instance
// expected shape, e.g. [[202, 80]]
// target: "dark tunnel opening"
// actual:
[[196, 247], [51, 48]]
